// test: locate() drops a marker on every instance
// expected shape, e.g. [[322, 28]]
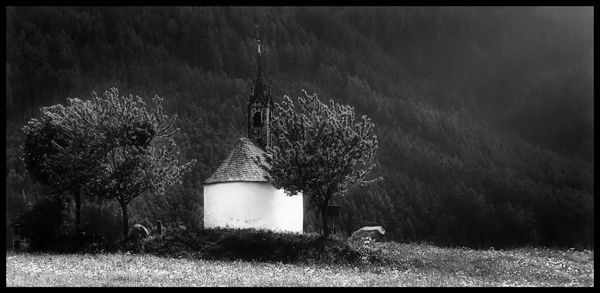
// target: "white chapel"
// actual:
[[239, 194]]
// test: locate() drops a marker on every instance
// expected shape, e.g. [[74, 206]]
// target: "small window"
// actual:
[[256, 120]]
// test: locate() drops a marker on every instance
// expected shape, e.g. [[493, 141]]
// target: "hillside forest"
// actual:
[[484, 115]]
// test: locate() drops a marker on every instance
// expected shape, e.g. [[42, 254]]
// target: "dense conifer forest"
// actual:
[[484, 114]]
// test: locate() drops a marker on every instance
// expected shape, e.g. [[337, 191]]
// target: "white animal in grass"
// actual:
[[373, 232]]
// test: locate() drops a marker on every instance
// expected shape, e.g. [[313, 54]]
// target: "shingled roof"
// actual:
[[241, 165]]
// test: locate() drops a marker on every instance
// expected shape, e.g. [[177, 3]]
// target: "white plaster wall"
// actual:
[[255, 205]]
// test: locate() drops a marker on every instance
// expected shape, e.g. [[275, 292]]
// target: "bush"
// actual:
[[252, 245], [45, 225], [48, 226]]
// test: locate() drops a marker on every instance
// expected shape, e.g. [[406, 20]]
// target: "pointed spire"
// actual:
[[259, 71], [260, 88], [260, 103]]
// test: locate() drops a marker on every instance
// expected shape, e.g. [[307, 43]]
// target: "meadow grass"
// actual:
[[399, 265]]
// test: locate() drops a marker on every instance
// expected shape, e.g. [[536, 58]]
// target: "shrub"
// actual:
[[45, 225], [48, 226], [252, 245]]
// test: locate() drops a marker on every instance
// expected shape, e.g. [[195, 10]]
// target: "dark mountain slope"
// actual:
[[483, 114]]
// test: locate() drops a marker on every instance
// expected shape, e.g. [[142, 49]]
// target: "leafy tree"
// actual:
[[60, 147], [111, 146], [141, 156], [321, 150]]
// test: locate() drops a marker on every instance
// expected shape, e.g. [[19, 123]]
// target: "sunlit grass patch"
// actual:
[[399, 265]]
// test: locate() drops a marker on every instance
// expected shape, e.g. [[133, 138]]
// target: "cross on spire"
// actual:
[[258, 38]]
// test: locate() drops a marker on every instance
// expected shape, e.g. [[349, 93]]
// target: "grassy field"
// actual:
[[403, 265]]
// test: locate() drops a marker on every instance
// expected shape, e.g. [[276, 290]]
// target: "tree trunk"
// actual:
[[77, 194], [125, 219], [325, 228]]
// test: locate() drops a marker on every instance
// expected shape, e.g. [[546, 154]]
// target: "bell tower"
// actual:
[[260, 106]]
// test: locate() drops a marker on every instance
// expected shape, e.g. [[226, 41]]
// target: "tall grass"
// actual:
[[397, 265]]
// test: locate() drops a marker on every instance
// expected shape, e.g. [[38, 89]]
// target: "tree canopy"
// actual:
[[141, 154], [112, 146], [62, 146], [320, 150]]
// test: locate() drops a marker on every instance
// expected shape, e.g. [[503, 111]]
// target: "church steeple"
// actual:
[[260, 105]]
